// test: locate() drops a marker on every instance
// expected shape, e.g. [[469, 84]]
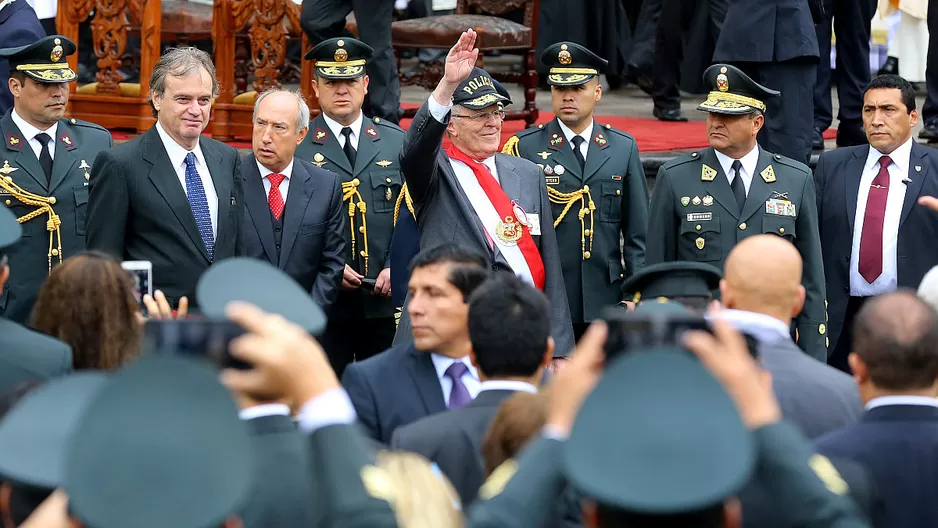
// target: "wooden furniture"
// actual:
[[494, 33]]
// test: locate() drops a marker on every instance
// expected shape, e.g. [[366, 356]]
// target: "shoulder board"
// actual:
[[85, 124], [609, 128], [529, 131], [788, 162], [681, 160], [511, 146], [386, 124]]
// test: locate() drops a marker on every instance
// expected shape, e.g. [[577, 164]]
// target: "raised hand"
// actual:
[[461, 58]]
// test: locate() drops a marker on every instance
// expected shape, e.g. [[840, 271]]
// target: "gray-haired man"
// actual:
[[171, 196], [285, 196]]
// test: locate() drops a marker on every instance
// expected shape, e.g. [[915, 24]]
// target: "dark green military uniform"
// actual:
[[695, 214], [593, 206], [359, 323], [51, 207]]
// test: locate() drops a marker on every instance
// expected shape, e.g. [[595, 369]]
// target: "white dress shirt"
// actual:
[[30, 132], [749, 162], [883, 401], [336, 129], [470, 379], [898, 170], [177, 156], [268, 409], [508, 385], [44, 8], [332, 407], [284, 185], [764, 328], [570, 134]]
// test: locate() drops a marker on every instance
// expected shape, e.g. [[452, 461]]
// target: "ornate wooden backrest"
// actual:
[[109, 27], [503, 7], [268, 23]]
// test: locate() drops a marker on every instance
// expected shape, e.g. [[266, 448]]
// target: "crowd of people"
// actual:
[[438, 328]]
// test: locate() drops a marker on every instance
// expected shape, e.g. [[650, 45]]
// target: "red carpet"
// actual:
[[652, 135]]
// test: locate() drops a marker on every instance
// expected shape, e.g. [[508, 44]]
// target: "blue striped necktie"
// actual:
[[199, 204]]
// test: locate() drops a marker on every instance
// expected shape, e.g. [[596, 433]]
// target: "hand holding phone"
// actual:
[[141, 274], [199, 338]]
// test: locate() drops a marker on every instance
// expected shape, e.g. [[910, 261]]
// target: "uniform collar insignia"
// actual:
[[600, 140], [14, 142], [66, 140], [556, 140], [320, 135], [372, 132], [768, 175], [707, 173]]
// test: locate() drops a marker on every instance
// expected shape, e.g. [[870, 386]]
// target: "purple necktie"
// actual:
[[459, 394]]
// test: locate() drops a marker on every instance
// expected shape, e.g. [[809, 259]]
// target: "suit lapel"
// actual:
[[367, 146], [852, 176], [164, 178], [711, 173], [65, 158], [561, 153], [759, 190], [918, 171], [301, 191], [255, 200], [597, 155], [20, 154], [329, 144], [222, 183], [426, 380], [509, 180], [467, 210]]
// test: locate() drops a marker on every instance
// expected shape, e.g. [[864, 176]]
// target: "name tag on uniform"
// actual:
[[780, 207], [534, 224], [552, 180], [697, 217]]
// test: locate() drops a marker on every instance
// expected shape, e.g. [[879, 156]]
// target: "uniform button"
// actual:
[[586, 188], [781, 230], [55, 252], [495, 267], [356, 182], [52, 200], [742, 226], [618, 192], [622, 275], [586, 255], [387, 180], [8, 202], [585, 231], [278, 229], [361, 229], [698, 227]]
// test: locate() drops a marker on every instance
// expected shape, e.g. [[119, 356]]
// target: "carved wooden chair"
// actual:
[[495, 33]]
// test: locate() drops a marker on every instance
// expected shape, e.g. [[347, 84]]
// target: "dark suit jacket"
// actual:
[[393, 389], [312, 248], [19, 26], [899, 445], [454, 441], [283, 487], [776, 30], [445, 215], [137, 210], [837, 178], [814, 396], [26, 355]]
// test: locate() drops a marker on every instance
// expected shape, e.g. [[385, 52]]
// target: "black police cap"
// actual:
[[673, 279], [10, 230], [480, 91], [658, 436], [571, 64], [733, 92], [261, 284], [340, 58], [43, 60]]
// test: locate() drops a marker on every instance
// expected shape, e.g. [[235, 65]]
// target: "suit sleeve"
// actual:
[[554, 287], [238, 189], [108, 206], [662, 225], [812, 321], [359, 391], [634, 213], [420, 151], [332, 264]]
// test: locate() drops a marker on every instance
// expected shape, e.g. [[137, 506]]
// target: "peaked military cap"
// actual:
[[658, 436], [35, 433], [43, 60], [571, 64], [480, 91], [662, 306], [340, 58], [10, 229], [261, 284], [733, 92], [673, 279], [160, 444]]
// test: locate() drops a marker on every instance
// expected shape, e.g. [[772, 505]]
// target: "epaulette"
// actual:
[[609, 128], [788, 162], [529, 131], [680, 160], [511, 147], [85, 124], [386, 124]]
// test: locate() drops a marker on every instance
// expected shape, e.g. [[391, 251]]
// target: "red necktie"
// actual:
[[274, 198], [871, 236]]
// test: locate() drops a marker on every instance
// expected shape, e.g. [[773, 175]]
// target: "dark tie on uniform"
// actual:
[[739, 189], [577, 142], [348, 148], [871, 235], [45, 157], [198, 202], [274, 198], [459, 394]]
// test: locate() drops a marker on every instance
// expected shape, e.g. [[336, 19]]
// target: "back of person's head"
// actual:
[[895, 343], [88, 303], [423, 496], [18, 500], [509, 327], [467, 267], [928, 288], [717, 516], [763, 275], [519, 418]]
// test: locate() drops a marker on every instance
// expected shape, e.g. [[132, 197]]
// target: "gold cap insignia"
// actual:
[[340, 55], [564, 57], [57, 52], [768, 174], [699, 242], [707, 173], [723, 84]]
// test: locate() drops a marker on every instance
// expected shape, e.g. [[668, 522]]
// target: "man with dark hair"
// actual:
[[509, 330], [894, 359], [874, 239], [433, 372]]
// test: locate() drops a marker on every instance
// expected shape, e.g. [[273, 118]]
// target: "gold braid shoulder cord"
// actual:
[[404, 196], [350, 193], [44, 205]]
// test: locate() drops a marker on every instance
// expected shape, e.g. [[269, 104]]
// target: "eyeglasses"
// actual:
[[497, 114]]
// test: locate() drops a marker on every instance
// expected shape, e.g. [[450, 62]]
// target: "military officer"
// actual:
[[364, 152], [689, 283], [595, 182], [707, 201], [45, 165]]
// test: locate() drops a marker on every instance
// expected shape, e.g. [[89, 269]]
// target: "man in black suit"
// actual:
[[19, 26], [171, 196], [509, 328], [874, 238], [298, 228], [432, 373], [895, 364]]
